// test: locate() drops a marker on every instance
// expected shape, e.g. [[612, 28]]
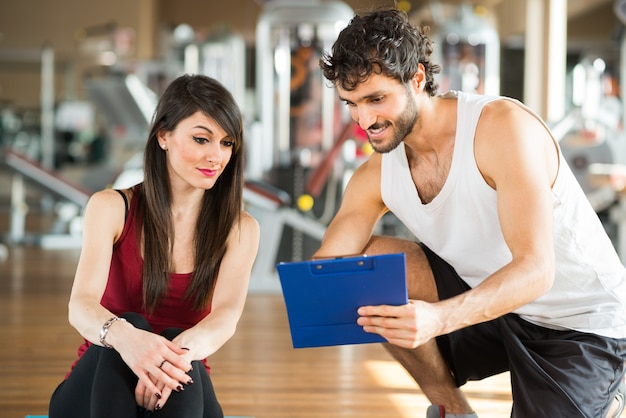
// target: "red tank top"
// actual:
[[123, 292]]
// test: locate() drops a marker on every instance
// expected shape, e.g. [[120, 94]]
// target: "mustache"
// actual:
[[379, 125]]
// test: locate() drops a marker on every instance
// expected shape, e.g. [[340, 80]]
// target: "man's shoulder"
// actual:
[[371, 166]]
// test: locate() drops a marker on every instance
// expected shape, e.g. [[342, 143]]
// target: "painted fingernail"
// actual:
[[158, 395], [190, 382], [157, 407], [179, 388]]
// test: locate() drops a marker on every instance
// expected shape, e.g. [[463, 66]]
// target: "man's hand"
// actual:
[[407, 326]]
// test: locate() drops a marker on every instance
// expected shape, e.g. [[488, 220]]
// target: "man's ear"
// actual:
[[419, 79]]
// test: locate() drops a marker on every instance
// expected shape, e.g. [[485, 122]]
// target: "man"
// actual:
[[513, 270]]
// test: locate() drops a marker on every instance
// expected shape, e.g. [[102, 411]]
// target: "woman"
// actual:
[[164, 268]]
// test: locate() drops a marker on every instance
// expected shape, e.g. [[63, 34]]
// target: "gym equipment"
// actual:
[[224, 58], [127, 105], [469, 52], [270, 207], [300, 116], [589, 134], [4, 253], [290, 37], [593, 144], [71, 199], [619, 7]]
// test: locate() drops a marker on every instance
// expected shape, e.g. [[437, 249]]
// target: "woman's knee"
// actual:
[[137, 320], [171, 333]]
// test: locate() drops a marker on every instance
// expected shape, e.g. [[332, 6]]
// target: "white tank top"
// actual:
[[461, 226]]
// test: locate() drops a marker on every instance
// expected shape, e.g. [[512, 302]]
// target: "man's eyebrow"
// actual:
[[371, 95], [374, 94]]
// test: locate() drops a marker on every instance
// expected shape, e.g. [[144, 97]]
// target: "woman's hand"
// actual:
[[155, 400], [159, 364], [151, 400]]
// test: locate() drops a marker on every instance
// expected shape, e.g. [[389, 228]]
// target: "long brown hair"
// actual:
[[221, 205]]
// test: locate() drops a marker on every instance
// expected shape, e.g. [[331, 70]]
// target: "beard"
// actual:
[[403, 127]]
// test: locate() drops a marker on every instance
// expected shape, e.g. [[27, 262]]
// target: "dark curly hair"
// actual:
[[381, 42]]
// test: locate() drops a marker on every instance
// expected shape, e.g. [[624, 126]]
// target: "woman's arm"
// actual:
[[142, 351], [102, 225], [231, 289]]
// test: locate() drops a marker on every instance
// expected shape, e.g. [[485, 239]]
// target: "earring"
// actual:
[[164, 147]]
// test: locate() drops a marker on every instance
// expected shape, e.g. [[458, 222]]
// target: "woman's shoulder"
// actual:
[[113, 196], [108, 205], [246, 227], [108, 197], [247, 222], [245, 234]]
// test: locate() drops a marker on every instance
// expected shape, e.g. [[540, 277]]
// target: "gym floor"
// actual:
[[257, 373]]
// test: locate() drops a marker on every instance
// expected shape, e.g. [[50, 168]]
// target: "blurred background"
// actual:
[[79, 81]]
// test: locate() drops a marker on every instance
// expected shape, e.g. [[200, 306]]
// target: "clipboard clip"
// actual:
[[343, 264], [338, 257]]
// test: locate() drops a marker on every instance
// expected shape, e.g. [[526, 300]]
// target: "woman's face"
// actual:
[[198, 150]]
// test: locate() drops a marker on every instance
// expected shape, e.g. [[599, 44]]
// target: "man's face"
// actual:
[[384, 108]]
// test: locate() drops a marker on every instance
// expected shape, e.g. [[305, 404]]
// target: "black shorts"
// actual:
[[553, 373]]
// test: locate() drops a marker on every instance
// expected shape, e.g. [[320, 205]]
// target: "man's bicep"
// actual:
[[522, 166]]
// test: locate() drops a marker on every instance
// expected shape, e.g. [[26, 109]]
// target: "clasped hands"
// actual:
[[407, 326], [161, 366]]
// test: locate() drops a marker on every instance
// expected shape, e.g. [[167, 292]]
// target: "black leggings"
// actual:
[[101, 385]]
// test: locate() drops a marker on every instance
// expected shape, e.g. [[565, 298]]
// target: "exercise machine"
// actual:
[[468, 48], [300, 116], [71, 198]]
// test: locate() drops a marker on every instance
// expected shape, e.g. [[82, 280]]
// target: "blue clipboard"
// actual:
[[322, 296]]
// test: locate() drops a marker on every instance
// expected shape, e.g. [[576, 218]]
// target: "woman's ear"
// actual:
[[162, 139]]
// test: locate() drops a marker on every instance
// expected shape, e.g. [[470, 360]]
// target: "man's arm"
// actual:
[[518, 158], [361, 208]]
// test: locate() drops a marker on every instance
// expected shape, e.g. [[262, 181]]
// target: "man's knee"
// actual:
[[419, 275], [390, 245]]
